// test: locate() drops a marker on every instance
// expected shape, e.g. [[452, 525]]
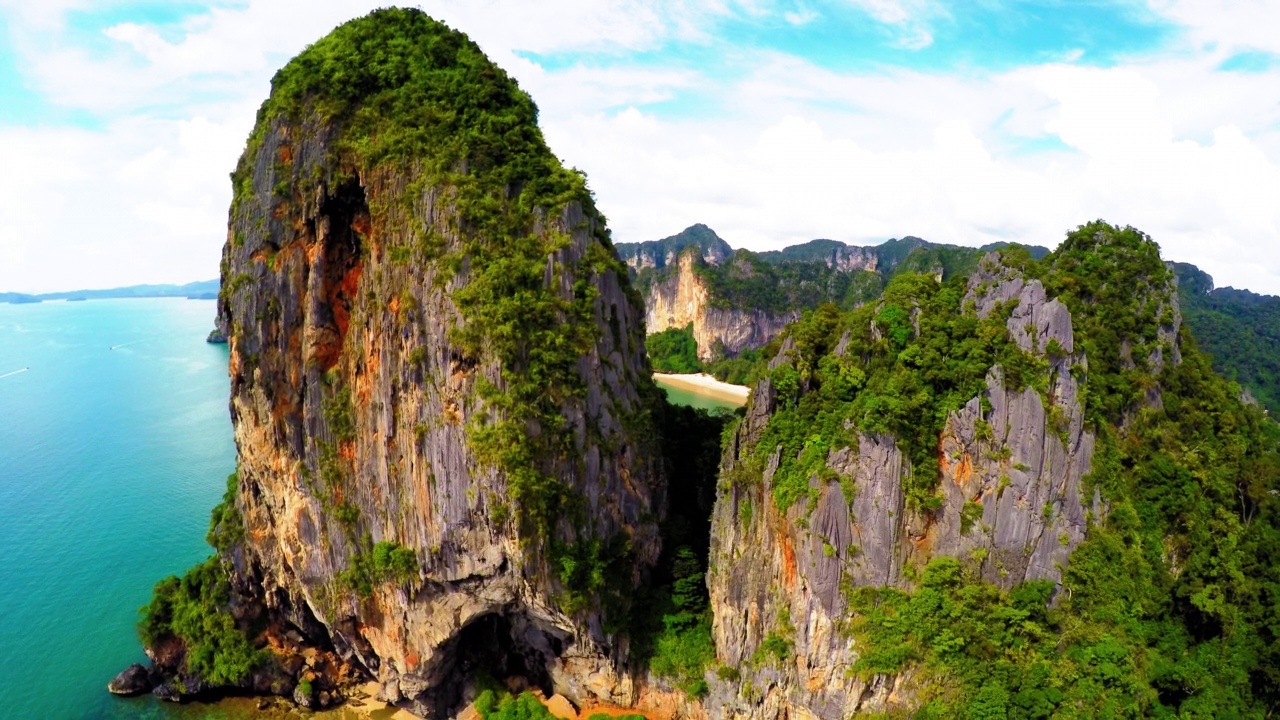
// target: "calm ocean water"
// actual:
[[110, 461]]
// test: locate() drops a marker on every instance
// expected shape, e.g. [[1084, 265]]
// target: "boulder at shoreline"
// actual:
[[133, 680]]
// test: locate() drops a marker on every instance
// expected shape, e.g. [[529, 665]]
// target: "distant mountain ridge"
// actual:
[[736, 300], [202, 290], [835, 254], [661, 253]]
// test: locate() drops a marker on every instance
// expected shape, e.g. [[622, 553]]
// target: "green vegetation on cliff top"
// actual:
[[1168, 607]]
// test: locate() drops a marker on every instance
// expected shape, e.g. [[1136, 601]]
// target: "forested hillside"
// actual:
[[1238, 329]]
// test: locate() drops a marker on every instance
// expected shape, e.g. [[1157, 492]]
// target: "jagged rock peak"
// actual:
[[438, 381], [661, 253], [1036, 324]]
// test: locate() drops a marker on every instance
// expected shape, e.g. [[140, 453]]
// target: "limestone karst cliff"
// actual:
[[685, 299], [1010, 463], [446, 464], [946, 503]]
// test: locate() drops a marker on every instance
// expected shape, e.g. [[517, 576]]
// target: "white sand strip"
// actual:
[[707, 385]]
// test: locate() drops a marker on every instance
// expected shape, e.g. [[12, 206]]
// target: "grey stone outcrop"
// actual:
[[1011, 464]]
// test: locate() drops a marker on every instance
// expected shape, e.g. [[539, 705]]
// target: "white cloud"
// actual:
[[800, 16], [911, 17], [46, 14], [141, 201], [1228, 24], [894, 12], [787, 152]]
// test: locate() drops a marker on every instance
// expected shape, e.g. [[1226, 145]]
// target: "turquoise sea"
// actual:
[[110, 461]]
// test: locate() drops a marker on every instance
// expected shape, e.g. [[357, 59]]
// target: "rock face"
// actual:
[[683, 299], [1011, 464], [851, 258], [356, 410]]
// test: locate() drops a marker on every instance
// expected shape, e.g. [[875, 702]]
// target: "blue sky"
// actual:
[[773, 122], [968, 36]]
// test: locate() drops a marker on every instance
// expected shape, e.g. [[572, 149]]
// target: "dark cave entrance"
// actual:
[[508, 648], [343, 225]]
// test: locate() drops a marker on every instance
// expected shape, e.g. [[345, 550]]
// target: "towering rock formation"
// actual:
[[438, 380]]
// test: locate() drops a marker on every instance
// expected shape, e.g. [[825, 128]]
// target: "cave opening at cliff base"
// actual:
[[508, 648]]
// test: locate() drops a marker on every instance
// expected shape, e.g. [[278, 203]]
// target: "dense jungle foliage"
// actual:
[[1169, 607], [496, 703], [745, 368], [1240, 330], [673, 351], [195, 609]]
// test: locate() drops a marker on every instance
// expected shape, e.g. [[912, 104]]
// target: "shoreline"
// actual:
[[705, 384]]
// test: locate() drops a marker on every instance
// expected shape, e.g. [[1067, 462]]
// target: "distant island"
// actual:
[[202, 290]]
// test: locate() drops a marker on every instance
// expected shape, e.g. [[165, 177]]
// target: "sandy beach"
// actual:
[[706, 385]]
